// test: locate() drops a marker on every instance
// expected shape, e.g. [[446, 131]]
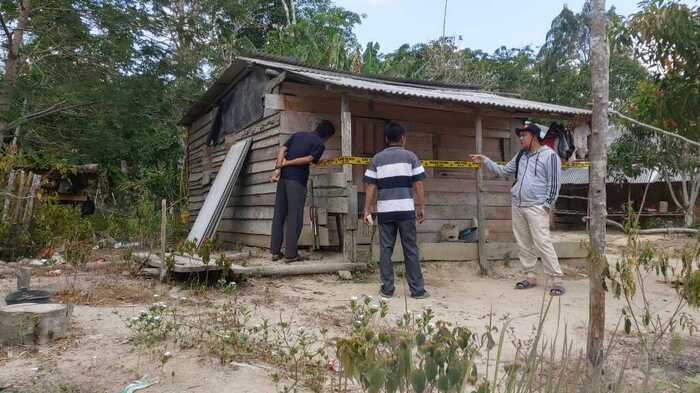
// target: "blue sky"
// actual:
[[483, 24]]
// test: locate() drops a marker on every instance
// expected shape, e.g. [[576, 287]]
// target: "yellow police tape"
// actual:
[[345, 160]]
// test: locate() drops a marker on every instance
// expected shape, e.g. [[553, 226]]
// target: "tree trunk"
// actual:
[[12, 64], [286, 12], [293, 11], [597, 195], [693, 200]]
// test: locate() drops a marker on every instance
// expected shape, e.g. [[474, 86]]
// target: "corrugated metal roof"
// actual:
[[578, 176], [388, 86], [363, 82]]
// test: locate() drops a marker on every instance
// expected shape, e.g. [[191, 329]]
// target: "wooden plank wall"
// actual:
[[451, 195], [329, 193], [432, 134]]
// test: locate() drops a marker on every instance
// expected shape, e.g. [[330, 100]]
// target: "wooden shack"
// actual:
[[268, 99]]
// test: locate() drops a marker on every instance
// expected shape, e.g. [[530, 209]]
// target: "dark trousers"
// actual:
[[289, 207], [387, 239]]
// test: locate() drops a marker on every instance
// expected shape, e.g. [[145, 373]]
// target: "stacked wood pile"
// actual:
[[19, 196]]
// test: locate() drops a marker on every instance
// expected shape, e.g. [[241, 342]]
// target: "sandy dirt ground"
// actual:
[[99, 358]]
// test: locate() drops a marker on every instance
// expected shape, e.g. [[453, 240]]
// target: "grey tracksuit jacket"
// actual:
[[538, 179]]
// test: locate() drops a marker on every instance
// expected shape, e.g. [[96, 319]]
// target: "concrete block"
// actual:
[[27, 323]]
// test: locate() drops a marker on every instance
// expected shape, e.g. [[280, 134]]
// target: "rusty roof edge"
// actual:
[[534, 107], [288, 62]]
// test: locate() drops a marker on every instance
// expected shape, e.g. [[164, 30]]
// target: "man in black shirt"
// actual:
[[291, 174]]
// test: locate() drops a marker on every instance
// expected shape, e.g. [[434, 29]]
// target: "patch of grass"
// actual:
[[49, 381], [107, 293], [228, 332]]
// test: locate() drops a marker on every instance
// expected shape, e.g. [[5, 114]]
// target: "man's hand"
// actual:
[[365, 217], [420, 214], [477, 158], [276, 175]]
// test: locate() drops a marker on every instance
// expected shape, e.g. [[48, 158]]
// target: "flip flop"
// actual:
[[557, 290], [525, 284]]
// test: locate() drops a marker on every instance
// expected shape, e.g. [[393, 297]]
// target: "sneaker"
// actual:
[[386, 295], [276, 257], [294, 259], [423, 295]]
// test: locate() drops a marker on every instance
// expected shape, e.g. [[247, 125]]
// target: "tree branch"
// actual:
[[657, 129], [672, 192], [293, 11], [8, 34], [286, 12], [684, 188], [695, 190], [56, 108]]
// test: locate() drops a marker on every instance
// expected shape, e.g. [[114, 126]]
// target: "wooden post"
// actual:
[[480, 208], [598, 158], [9, 190], [21, 189], [24, 277], [349, 238], [36, 181], [163, 238]]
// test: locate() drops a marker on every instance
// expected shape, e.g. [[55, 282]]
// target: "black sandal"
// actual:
[[525, 284], [557, 290]]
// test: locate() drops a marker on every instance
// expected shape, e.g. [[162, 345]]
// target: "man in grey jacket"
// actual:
[[537, 169]]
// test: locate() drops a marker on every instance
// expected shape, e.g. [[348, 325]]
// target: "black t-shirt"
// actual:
[[299, 145]]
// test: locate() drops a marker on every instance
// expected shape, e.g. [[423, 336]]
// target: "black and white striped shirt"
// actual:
[[393, 171]]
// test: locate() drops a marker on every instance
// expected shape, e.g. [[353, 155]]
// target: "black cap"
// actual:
[[529, 127]]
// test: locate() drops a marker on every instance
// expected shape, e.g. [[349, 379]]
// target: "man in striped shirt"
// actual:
[[391, 179], [537, 170]]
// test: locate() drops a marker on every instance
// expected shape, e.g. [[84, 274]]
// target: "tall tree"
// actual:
[[666, 34], [322, 36], [597, 195], [14, 19], [563, 67]]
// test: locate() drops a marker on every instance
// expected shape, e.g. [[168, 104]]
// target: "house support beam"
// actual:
[[480, 206], [349, 224]]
